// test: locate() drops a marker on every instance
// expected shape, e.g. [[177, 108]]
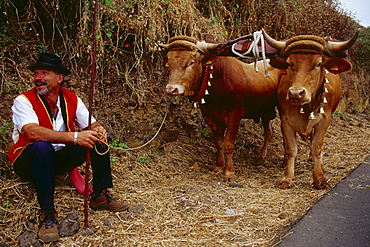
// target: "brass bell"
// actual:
[[301, 110], [202, 101], [312, 116], [206, 92], [195, 105], [324, 100], [326, 90], [321, 110], [209, 83]]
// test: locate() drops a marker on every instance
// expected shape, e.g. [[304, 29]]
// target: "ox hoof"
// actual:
[[321, 185], [284, 185], [230, 177], [219, 169], [260, 159]]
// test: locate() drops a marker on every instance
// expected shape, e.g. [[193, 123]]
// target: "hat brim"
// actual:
[[59, 69]]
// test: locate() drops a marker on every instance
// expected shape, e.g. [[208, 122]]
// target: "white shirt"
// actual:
[[23, 114]]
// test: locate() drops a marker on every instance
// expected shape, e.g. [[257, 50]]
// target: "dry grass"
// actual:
[[186, 204]]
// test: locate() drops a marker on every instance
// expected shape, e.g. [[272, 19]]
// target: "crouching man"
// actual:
[[46, 142]]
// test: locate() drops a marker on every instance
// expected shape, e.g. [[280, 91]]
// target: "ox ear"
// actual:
[[337, 65], [165, 62], [279, 63]]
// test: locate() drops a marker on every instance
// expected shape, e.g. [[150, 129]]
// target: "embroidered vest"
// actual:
[[68, 102]]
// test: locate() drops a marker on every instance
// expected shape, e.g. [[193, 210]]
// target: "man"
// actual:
[[47, 143]]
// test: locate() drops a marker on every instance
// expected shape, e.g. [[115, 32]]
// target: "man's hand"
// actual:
[[102, 133], [87, 138]]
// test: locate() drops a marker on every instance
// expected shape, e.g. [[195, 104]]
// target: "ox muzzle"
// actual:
[[174, 90], [298, 95]]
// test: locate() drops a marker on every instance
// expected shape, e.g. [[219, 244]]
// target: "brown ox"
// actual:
[[308, 94], [227, 90]]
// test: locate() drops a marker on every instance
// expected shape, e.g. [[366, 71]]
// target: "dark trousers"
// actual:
[[39, 163]]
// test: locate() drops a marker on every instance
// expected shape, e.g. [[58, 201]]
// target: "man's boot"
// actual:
[[48, 231], [104, 201]]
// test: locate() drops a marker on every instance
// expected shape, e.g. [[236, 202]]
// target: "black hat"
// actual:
[[50, 62]]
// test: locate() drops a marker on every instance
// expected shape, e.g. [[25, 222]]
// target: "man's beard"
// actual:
[[45, 91]]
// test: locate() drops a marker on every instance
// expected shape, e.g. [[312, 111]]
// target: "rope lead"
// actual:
[[134, 148]]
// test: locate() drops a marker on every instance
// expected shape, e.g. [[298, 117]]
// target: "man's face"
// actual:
[[47, 81]]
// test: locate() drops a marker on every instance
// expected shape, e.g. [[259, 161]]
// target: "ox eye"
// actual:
[[319, 64], [191, 62]]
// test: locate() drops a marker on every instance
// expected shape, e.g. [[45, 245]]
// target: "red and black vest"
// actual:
[[68, 103]]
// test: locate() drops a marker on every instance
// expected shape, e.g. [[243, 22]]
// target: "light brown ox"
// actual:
[[236, 91], [308, 94]]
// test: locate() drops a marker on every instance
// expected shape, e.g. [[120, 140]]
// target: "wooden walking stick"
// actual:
[[91, 96]]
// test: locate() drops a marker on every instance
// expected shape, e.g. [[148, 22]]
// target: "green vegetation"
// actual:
[[113, 161], [6, 204], [5, 127], [143, 159], [117, 143]]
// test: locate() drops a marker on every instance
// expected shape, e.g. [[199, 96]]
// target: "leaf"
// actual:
[[108, 2]]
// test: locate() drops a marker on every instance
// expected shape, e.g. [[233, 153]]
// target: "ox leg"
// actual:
[[291, 149], [232, 123], [220, 159], [219, 139], [268, 133], [311, 138], [319, 180]]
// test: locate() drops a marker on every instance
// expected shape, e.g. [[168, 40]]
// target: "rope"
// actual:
[[128, 149], [257, 38]]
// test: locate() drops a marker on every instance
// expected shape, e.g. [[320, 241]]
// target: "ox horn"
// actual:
[[280, 45], [342, 46], [207, 47], [164, 46]]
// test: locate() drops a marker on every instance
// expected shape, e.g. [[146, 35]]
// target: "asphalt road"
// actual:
[[340, 219]]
